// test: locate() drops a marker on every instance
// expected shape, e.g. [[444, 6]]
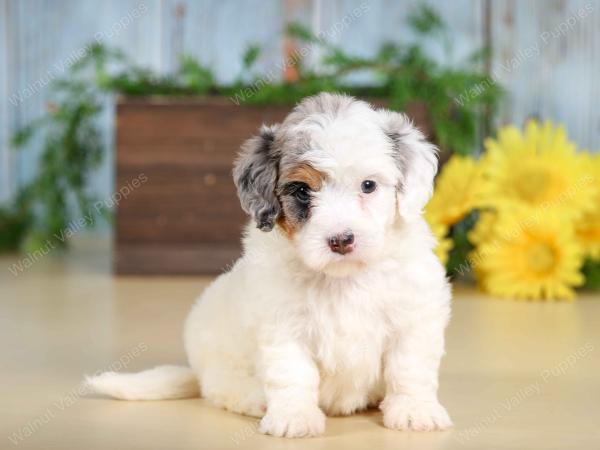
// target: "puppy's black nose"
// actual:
[[342, 243]]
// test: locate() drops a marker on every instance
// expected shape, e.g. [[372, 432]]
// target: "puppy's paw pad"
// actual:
[[293, 424], [403, 412]]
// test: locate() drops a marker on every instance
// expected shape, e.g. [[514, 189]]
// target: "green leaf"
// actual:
[[250, 56], [14, 224], [591, 272], [458, 257], [296, 30], [425, 20]]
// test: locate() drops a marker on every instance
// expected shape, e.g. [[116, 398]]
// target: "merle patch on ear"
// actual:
[[255, 174], [417, 160]]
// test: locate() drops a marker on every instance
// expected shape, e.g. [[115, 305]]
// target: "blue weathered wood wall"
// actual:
[[546, 52]]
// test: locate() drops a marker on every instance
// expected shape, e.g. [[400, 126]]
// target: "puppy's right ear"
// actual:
[[255, 174], [417, 160]]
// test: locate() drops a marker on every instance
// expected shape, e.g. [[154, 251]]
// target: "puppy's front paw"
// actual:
[[293, 423], [403, 412]]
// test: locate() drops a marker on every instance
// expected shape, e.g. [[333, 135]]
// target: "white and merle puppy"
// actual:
[[338, 302]]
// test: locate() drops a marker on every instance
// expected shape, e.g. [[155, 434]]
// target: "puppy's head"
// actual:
[[335, 176]]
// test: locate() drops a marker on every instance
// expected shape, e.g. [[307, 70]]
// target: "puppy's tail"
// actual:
[[162, 382]]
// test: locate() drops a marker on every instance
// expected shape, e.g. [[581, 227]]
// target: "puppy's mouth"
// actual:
[[344, 263], [343, 266]]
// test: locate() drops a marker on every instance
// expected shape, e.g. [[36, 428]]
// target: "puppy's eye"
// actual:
[[368, 186], [302, 194]]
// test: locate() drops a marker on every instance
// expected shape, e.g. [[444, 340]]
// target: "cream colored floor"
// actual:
[[516, 375]]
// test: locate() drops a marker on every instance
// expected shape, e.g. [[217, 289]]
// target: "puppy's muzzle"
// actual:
[[342, 243]]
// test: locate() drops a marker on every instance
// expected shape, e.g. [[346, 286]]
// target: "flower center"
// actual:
[[541, 258], [532, 185]]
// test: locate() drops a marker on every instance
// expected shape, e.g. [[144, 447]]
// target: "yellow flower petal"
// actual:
[[530, 256], [588, 226], [456, 191], [540, 169]]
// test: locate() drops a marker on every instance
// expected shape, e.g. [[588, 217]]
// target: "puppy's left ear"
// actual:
[[417, 160], [255, 175]]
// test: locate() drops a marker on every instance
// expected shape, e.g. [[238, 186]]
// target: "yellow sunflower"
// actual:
[[536, 169], [481, 232], [456, 192], [484, 227], [588, 226], [530, 257]]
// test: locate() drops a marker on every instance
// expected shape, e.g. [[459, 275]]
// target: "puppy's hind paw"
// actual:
[[293, 424], [403, 412]]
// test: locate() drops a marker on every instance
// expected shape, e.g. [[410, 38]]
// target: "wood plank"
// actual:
[[6, 107], [174, 259], [148, 231], [156, 200], [217, 33], [185, 150], [547, 56], [206, 154]]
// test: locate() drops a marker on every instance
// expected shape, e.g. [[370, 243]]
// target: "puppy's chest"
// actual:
[[347, 334]]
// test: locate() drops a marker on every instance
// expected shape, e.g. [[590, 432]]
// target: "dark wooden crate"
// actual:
[[185, 218]]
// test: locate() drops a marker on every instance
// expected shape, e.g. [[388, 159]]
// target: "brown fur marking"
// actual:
[[307, 174], [286, 226], [304, 173]]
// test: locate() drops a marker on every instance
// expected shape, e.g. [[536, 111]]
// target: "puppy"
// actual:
[[338, 302]]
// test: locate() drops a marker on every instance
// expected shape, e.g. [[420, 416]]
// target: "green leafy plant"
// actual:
[[402, 73], [591, 272], [72, 150], [72, 146]]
